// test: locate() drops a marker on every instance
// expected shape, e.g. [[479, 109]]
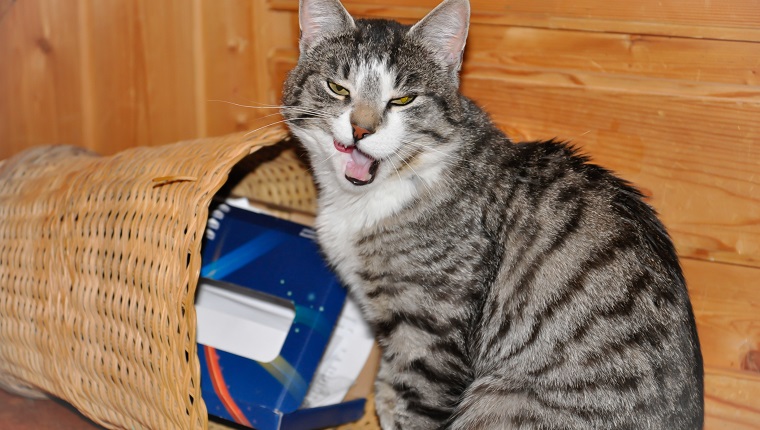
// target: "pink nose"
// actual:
[[360, 132]]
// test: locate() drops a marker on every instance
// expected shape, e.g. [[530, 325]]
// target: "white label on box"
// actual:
[[241, 321], [344, 358]]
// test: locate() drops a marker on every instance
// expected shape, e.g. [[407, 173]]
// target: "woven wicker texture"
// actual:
[[99, 261], [277, 177]]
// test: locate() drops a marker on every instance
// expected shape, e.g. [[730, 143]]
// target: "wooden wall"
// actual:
[[665, 92], [112, 74]]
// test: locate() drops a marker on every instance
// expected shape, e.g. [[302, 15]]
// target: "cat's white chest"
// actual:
[[338, 234], [344, 219]]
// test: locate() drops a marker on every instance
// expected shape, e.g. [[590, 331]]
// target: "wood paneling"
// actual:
[[141, 72], [117, 74], [731, 400], [726, 303], [696, 60], [686, 18]]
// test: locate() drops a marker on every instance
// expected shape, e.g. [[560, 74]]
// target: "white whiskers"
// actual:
[[425, 147], [280, 122], [404, 153], [295, 109]]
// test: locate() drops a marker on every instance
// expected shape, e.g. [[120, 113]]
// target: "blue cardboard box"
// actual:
[[251, 259]]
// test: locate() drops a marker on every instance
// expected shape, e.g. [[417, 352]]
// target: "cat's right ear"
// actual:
[[319, 19]]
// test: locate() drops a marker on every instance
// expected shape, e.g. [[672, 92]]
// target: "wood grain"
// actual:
[[40, 85], [682, 18], [731, 400], [142, 71], [696, 60], [726, 302]]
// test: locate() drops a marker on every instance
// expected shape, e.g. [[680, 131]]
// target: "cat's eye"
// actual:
[[337, 89], [403, 101]]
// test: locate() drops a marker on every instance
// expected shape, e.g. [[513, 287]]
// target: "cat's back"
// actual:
[[551, 190], [588, 309]]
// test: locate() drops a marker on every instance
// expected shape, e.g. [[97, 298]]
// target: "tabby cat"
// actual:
[[510, 285]]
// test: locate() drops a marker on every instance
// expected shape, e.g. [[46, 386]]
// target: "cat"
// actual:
[[510, 285]]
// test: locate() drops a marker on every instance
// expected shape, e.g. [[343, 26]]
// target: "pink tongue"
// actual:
[[358, 166]]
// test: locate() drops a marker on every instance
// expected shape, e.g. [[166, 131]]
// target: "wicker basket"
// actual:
[[99, 261]]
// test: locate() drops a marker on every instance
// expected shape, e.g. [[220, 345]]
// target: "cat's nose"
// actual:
[[360, 132]]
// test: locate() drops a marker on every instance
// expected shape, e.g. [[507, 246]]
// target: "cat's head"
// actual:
[[375, 101]]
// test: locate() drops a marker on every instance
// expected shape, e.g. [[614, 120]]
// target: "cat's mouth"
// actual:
[[360, 168]]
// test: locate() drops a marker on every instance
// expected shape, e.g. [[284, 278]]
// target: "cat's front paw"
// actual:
[[385, 404]]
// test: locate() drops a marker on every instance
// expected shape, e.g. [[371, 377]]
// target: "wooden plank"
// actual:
[[731, 400], [646, 56], [683, 18], [736, 13], [142, 73], [5, 7], [722, 20], [726, 302], [40, 84]]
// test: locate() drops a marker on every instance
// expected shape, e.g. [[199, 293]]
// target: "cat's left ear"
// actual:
[[320, 19], [444, 31]]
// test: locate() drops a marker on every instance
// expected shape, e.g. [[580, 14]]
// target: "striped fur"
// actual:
[[510, 285]]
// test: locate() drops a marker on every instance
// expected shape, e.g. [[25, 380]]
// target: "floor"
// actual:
[[19, 413]]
